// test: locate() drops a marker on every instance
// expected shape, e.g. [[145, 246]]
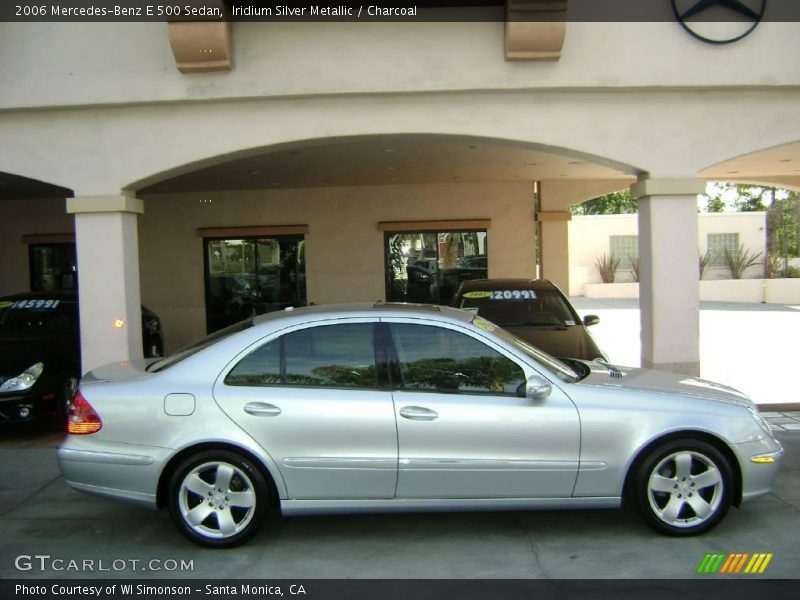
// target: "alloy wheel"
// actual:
[[217, 499]]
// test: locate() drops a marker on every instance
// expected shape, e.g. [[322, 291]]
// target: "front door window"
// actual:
[[250, 276]]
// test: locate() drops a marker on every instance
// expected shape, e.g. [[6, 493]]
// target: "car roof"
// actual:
[[506, 284], [366, 309]]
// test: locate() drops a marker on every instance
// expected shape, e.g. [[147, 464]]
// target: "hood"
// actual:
[[662, 382], [118, 371], [19, 353], [570, 342]]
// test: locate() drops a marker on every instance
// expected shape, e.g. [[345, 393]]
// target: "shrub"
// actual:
[[607, 266], [704, 260], [634, 267], [740, 260]]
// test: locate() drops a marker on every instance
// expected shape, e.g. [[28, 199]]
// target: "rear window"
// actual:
[[191, 349]]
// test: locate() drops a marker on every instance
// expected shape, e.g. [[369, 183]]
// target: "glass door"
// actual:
[[251, 276]]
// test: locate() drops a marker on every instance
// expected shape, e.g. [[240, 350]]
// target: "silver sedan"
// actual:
[[394, 407]]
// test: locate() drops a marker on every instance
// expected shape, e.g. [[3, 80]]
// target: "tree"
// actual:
[[715, 204], [615, 203], [740, 197]]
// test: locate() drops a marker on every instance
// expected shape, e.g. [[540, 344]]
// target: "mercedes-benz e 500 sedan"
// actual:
[[366, 408]]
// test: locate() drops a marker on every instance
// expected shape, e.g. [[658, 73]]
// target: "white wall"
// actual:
[[57, 64], [344, 247], [589, 239]]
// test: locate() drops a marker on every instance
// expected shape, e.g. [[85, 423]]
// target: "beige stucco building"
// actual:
[[319, 153]]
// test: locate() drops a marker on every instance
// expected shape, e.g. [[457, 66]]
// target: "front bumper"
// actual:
[[27, 406], [758, 476]]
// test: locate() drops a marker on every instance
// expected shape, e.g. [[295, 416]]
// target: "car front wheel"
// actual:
[[684, 487], [218, 499]]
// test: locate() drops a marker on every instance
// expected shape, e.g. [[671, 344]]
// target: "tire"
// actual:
[[684, 487], [202, 503]]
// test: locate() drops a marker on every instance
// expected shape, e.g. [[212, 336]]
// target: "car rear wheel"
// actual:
[[684, 487], [218, 498]]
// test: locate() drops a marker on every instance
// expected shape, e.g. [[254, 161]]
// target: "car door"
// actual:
[[311, 399], [463, 429]]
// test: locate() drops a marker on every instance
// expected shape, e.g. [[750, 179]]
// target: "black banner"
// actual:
[[399, 10], [327, 589]]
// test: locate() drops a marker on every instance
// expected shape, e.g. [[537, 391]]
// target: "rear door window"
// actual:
[[324, 356]]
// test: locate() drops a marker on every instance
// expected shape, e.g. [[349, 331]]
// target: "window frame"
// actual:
[[624, 240], [209, 239], [32, 248], [719, 262], [387, 266]]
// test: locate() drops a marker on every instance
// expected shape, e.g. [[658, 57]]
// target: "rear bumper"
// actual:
[[119, 471]]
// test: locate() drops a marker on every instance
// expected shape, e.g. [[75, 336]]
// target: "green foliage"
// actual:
[[615, 203], [738, 262], [715, 204], [783, 226], [747, 198], [607, 266]]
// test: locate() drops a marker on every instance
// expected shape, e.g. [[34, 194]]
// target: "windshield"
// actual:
[[549, 362], [199, 345], [520, 307], [29, 315]]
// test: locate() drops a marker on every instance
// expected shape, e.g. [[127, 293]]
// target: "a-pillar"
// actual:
[[555, 247], [106, 237], [669, 288]]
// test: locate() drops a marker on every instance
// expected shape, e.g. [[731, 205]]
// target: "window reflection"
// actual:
[[428, 267], [442, 360], [246, 277]]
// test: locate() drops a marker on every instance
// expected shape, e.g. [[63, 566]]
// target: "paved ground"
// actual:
[[40, 515], [752, 347]]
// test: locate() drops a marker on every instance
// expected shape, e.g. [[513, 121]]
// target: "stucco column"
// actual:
[[669, 288], [107, 244], [555, 247]]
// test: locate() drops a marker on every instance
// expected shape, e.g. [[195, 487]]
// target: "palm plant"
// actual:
[[607, 266], [704, 260], [634, 267], [740, 260]]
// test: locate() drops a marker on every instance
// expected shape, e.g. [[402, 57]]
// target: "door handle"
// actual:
[[261, 409], [418, 413]]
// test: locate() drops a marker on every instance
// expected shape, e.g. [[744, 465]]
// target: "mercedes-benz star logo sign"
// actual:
[[744, 18]]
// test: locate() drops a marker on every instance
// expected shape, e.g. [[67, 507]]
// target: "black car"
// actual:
[[40, 353], [536, 311]]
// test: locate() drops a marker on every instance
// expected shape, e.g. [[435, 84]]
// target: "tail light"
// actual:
[[82, 417]]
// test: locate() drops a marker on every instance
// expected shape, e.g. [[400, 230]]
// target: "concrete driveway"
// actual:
[[39, 515], [751, 347]]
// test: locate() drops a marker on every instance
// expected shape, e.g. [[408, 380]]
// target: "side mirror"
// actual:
[[590, 320], [537, 388]]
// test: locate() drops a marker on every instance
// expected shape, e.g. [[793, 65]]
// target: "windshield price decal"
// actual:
[[513, 295], [25, 304]]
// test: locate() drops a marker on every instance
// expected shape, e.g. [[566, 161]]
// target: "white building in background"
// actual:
[[593, 236], [208, 168]]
